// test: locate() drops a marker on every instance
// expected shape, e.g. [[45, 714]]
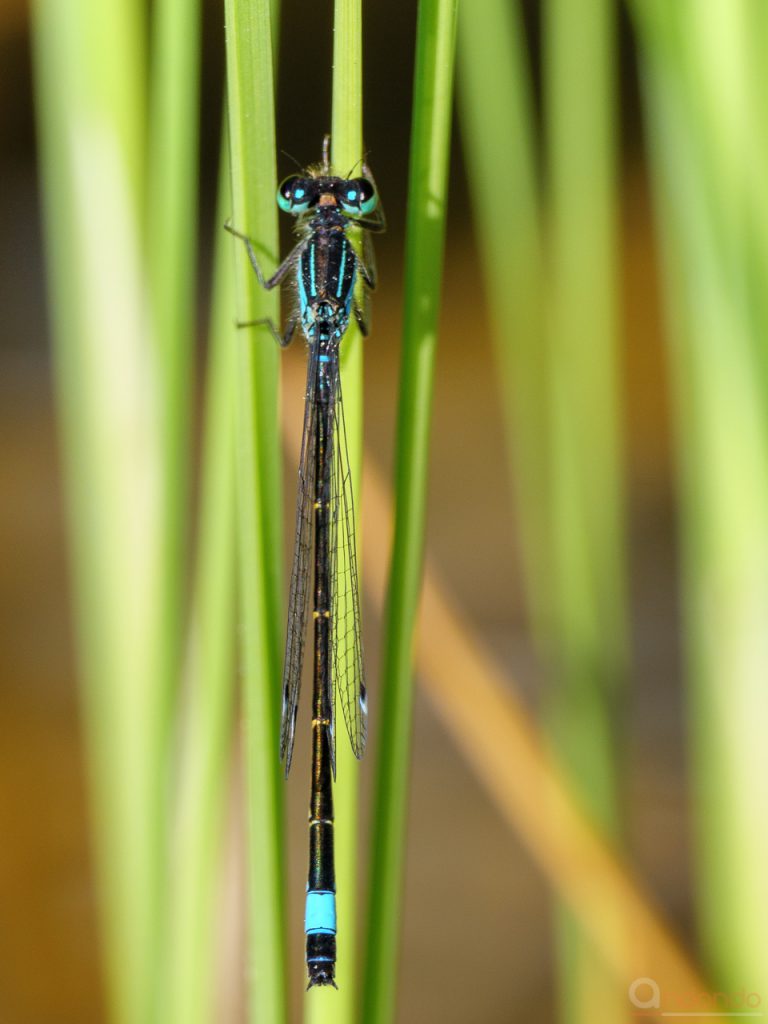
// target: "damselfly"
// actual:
[[325, 264]]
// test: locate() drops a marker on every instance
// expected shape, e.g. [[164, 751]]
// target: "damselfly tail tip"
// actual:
[[321, 974]]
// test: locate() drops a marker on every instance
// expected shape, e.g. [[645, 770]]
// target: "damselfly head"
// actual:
[[355, 196]]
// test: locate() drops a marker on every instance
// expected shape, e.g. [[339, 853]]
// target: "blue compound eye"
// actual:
[[294, 195], [349, 197], [365, 195]]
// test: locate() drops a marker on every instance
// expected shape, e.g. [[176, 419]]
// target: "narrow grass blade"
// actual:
[[90, 104], [588, 643], [587, 486], [711, 214], [210, 670], [252, 149], [324, 1004], [498, 130], [171, 246], [170, 240], [425, 232]]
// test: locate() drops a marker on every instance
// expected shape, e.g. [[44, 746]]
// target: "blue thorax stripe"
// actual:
[[340, 287], [302, 289]]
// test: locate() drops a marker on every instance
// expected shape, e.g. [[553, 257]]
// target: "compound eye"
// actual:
[[349, 196], [367, 198], [293, 195], [357, 196]]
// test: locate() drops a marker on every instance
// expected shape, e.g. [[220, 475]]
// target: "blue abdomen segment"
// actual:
[[320, 913], [320, 926]]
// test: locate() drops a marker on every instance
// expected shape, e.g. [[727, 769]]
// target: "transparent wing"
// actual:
[[346, 635], [325, 495], [301, 572]]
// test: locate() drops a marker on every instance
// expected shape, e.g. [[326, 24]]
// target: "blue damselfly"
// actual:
[[325, 265]]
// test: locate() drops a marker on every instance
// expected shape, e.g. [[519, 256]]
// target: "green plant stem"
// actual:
[[171, 200], [89, 60], [709, 211], [588, 642], [425, 233], [171, 247], [252, 149], [210, 670], [495, 90], [326, 1006]]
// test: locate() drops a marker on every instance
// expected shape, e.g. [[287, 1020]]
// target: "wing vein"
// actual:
[[346, 631], [301, 571]]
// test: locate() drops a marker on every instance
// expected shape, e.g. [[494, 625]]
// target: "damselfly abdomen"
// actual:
[[325, 265]]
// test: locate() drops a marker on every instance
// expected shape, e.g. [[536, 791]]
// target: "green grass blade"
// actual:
[[171, 201], [498, 131], [252, 149], [327, 1006], [210, 671], [171, 245], [710, 219], [586, 436], [589, 616], [90, 103], [425, 232]]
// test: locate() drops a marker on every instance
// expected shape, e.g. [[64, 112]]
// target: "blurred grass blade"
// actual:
[[171, 245], [698, 61], [589, 618], [171, 207], [425, 232], [498, 131], [325, 1005], [252, 149], [90, 104], [210, 669]]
